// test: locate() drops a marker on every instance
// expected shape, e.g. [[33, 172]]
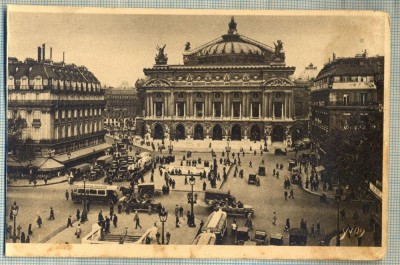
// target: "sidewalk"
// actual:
[[203, 146], [40, 182], [183, 235]]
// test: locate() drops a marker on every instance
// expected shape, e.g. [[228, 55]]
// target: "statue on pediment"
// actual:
[[279, 52], [161, 58], [187, 46]]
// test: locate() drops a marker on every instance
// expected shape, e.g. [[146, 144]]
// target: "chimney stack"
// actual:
[[39, 54], [334, 56], [63, 57], [44, 51], [51, 53]]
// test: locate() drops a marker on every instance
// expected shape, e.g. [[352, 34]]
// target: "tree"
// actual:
[[22, 150], [354, 155], [14, 133]]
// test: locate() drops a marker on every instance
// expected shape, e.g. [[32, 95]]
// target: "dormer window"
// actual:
[[61, 84], [24, 82], [38, 83], [55, 84], [10, 82], [73, 86]]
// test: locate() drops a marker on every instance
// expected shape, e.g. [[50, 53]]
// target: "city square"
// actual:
[[230, 146]]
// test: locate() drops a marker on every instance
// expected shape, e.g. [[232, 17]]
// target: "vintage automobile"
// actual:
[[242, 235], [280, 152], [260, 237], [292, 164], [244, 211], [276, 239], [253, 180], [140, 204], [261, 170], [298, 237]]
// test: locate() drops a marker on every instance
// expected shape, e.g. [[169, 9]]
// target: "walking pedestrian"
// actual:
[[274, 218], [30, 232], [115, 220], [28, 239], [100, 217], [176, 210], [273, 172], [78, 214], [181, 211], [107, 225], [318, 228], [78, 231], [204, 185], [286, 194], [291, 194], [287, 227], [277, 174], [66, 195], [234, 227], [22, 237], [51, 214], [137, 220], [39, 221], [111, 210], [119, 208], [177, 222], [250, 164], [69, 222], [312, 230]]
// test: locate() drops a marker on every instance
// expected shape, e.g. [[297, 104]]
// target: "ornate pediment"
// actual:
[[275, 82], [157, 83]]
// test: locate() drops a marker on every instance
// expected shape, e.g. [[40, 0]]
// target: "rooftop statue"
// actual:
[[161, 58], [187, 46], [279, 52]]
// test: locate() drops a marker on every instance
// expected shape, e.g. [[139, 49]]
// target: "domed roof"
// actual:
[[230, 48]]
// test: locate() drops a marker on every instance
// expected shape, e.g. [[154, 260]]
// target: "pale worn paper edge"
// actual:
[[221, 252]]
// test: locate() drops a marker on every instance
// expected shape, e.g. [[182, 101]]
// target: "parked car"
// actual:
[[280, 152]]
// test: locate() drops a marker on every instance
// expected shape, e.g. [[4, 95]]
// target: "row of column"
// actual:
[[267, 105]]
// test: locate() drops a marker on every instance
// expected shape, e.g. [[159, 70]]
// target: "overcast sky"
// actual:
[[116, 47]]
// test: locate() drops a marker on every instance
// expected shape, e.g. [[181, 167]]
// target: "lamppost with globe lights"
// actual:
[[163, 215], [192, 199], [14, 212]]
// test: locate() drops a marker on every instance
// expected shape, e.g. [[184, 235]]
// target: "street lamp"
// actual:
[[214, 156], [192, 200], [14, 212], [84, 194], [163, 215]]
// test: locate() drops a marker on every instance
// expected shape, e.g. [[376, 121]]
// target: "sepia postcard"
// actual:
[[161, 133]]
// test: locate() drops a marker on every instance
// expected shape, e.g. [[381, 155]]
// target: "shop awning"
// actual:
[[11, 162], [47, 165], [82, 153], [319, 168]]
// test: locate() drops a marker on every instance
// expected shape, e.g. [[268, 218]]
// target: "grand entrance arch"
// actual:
[[158, 132], [255, 133], [180, 132], [278, 133], [217, 132], [236, 133], [198, 132]]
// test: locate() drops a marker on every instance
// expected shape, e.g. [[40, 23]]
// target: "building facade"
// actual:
[[347, 91], [230, 88], [62, 105], [120, 111]]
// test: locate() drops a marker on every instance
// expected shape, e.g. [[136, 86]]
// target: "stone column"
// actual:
[[151, 105], [244, 99], [171, 104], [270, 106], [262, 105]]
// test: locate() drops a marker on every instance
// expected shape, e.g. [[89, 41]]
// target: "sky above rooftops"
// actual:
[[116, 47]]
